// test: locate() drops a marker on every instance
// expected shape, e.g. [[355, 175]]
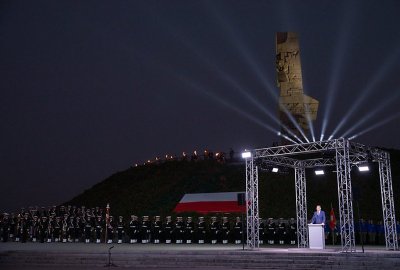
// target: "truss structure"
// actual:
[[340, 153]]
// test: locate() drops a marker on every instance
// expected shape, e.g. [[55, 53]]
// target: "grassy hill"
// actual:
[[155, 189]]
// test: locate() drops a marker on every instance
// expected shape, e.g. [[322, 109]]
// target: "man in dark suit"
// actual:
[[319, 216]]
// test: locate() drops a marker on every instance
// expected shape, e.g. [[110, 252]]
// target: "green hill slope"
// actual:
[[155, 189]]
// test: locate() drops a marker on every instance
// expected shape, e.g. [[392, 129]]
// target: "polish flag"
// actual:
[[204, 203], [332, 222]]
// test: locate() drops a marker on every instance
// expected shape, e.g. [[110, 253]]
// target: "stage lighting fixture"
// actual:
[[363, 168], [275, 170], [246, 154], [319, 172]]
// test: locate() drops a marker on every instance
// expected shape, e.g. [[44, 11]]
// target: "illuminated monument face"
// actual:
[[292, 98]]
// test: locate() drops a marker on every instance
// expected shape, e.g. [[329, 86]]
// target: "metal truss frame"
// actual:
[[252, 204], [301, 205], [389, 217], [339, 153], [345, 197]]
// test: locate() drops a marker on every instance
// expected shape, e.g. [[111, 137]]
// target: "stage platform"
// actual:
[[182, 256]]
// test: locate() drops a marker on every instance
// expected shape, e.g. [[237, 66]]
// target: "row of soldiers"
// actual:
[[68, 224]]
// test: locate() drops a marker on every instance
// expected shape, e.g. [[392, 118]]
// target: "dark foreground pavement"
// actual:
[[198, 257]]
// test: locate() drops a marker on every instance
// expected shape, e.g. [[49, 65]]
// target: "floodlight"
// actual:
[[363, 168], [319, 172], [246, 154], [275, 170]]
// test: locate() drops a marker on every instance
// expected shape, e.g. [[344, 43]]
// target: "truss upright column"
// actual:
[[345, 196], [389, 218], [252, 204], [301, 205]]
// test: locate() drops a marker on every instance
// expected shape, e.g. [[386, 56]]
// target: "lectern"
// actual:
[[316, 236]]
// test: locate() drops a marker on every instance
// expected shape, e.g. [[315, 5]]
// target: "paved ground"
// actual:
[[132, 248], [154, 254]]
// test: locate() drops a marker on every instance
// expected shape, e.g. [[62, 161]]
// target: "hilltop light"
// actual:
[[246, 154]]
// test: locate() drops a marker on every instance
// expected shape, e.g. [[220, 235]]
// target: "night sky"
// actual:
[[89, 88]]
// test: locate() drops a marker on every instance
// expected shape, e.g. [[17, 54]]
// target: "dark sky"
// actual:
[[91, 87]]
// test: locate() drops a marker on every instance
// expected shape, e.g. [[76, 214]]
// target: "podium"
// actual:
[[316, 236]]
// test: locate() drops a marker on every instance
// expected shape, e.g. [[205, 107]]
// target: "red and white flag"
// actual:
[[332, 222], [226, 202], [108, 214]]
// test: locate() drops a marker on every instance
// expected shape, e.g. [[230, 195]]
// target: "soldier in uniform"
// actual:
[[110, 230], [226, 230], [64, 231], [78, 229], [201, 231], [292, 231], [281, 232], [98, 229], [133, 229], [238, 232], [120, 229], [189, 230], [88, 228], [43, 229], [261, 231], [18, 232], [71, 229], [25, 226], [157, 230], [271, 231], [50, 228], [168, 230], [179, 230], [214, 230], [34, 228], [145, 230], [57, 229], [13, 226], [5, 227]]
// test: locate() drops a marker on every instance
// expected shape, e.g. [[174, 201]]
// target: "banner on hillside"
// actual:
[[203, 203]]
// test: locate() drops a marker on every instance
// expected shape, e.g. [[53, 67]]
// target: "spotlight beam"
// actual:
[[338, 62], [371, 114], [236, 85], [222, 101], [367, 91], [377, 125], [249, 59]]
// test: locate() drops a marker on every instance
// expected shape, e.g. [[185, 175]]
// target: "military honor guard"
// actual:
[[34, 228], [168, 230], [189, 230], [238, 231], [99, 229], [292, 231], [120, 229], [145, 230], [281, 232], [201, 231], [42, 229], [133, 229], [78, 229], [5, 227], [261, 231], [271, 231], [226, 230], [50, 229], [88, 229], [179, 230], [157, 230], [214, 230]]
